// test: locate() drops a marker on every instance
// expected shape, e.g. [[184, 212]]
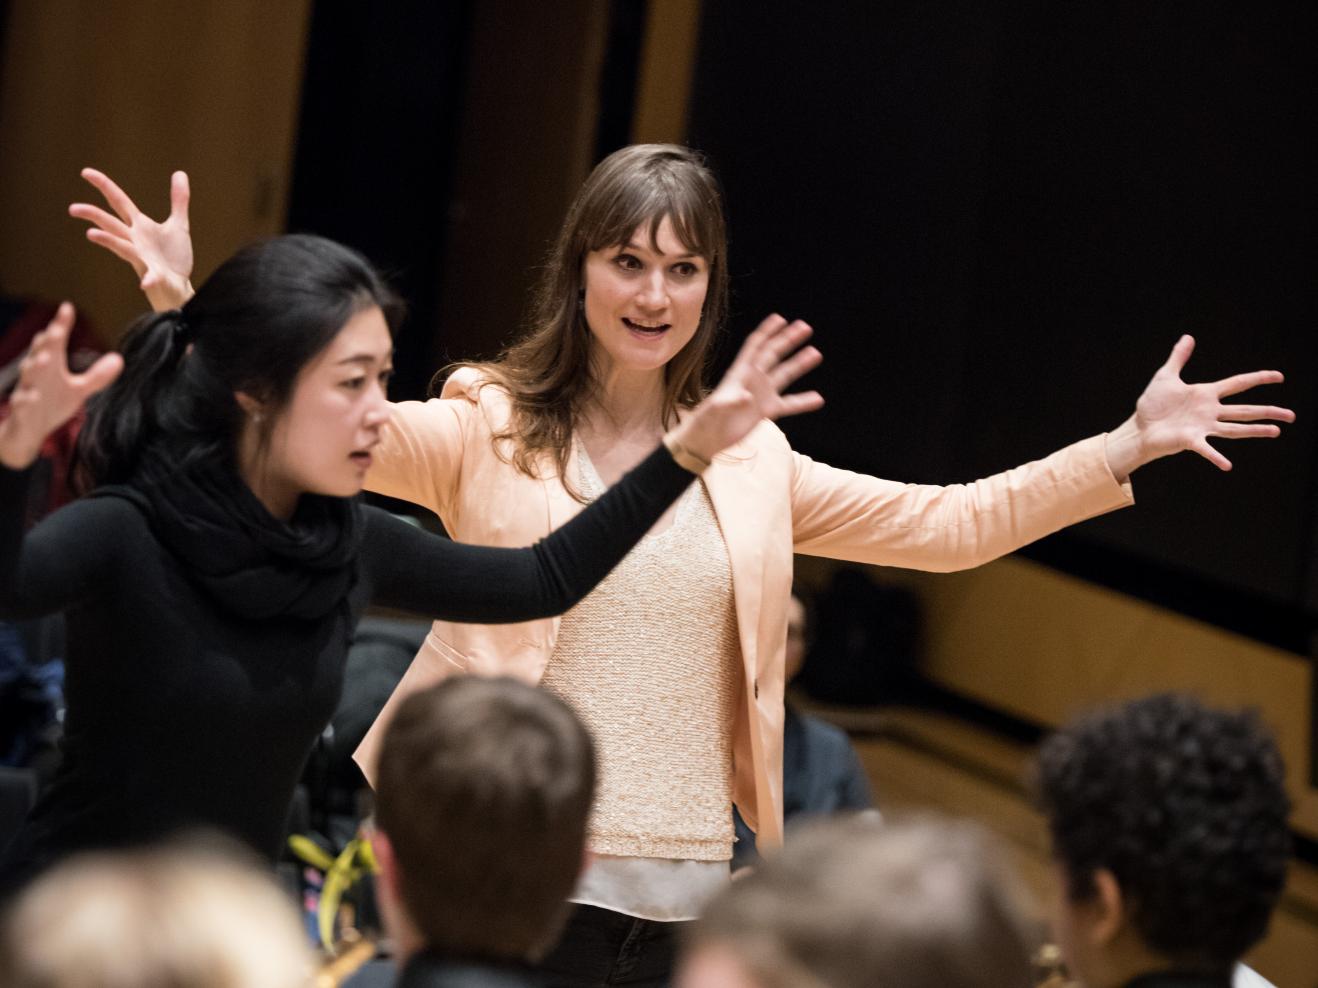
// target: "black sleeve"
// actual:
[[63, 559], [453, 581]]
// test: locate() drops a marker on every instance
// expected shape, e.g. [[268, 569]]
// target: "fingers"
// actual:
[[1211, 455], [100, 374], [115, 196], [1252, 413], [179, 195], [756, 340], [797, 404], [1179, 355], [122, 249], [61, 324], [1243, 382], [53, 339], [1231, 430], [801, 362], [100, 218], [783, 342]]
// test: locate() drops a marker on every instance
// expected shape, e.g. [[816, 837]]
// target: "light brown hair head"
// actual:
[[853, 904], [484, 791], [547, 372]]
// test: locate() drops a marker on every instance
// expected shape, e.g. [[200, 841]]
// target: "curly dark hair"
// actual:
[[1186, 806]]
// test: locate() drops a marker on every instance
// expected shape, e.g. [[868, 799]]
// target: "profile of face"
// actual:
[[714, 965], [795, 655], [643, 299], [321, 441], [1085, 930]]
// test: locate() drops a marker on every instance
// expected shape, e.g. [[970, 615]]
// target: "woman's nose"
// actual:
[[379, 411], [654, 291]]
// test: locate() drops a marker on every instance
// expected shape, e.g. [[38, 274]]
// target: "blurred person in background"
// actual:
[[168, 917], [922, 903], [1170, 842], [822, 774]]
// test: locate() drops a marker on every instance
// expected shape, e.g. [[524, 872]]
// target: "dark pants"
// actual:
[[600, 948]]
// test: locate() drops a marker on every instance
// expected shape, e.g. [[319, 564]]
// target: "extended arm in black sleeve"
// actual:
[[63, 559], [453, 581]]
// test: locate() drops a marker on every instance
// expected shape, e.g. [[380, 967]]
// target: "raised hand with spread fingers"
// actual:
[[48, 394], [1172, 416], [160, 253]]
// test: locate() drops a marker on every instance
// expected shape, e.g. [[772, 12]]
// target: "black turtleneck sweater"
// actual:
[[181, 714]]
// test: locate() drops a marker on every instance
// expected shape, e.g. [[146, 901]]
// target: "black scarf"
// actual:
[[251, 563]]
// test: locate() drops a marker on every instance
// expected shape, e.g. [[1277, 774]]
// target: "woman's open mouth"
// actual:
[[647, 330], [362, 459]]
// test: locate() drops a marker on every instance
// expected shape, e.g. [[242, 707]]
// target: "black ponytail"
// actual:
[[252, 326], [130, 408]]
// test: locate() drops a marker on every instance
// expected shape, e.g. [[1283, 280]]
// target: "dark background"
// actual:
[[999, 217]]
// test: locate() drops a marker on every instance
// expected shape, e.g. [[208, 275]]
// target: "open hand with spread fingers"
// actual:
[[770, 360], [1172, 416], [48, 394], [160, 253]]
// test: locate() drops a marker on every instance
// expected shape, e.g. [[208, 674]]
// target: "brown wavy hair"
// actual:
[[547, 372]]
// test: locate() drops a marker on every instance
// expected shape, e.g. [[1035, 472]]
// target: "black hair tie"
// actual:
[[182, 331]]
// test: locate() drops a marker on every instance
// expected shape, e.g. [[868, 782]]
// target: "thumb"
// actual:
[[100, 374], [1180, 354], [180, 192]]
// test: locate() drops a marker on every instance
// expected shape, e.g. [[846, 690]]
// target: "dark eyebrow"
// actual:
[[362, 358], [677, 257]]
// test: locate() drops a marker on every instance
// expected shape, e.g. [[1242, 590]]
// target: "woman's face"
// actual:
[[643, 301], [322, 441]]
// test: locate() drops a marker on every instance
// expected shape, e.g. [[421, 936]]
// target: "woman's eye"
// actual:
[[627, 262], [354, 384], [685, 269]]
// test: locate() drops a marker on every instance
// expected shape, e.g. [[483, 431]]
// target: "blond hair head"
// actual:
[[164, 918]]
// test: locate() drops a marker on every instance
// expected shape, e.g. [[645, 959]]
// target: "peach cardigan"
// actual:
[[770, 502]]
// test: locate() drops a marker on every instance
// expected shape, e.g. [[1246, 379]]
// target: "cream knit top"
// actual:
[[649, 661]]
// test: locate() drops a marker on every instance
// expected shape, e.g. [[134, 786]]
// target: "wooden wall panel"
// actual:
[[527, 144], [139, 88], [663, 86]]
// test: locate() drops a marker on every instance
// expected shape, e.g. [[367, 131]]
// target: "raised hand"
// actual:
[[160, 253], [1172, 416], [752, 389], [47, 393]]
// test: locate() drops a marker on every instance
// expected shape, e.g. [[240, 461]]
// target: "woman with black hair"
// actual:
[[213, 577]]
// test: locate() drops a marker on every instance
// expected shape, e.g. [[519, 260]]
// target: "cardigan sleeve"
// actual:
[[419, 457], [845, 515]]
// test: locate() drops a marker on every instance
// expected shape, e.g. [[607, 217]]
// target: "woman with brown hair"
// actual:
[[675, 662]]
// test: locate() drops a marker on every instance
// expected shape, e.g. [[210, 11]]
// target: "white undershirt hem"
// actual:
[[660, 889]]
